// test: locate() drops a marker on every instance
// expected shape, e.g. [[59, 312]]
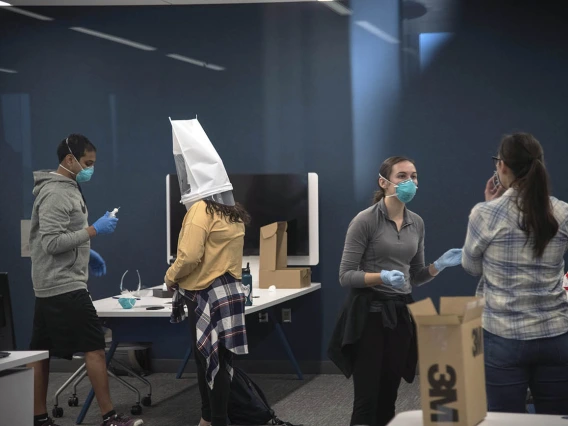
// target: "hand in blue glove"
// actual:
[[452, 257], [106, 224], [97, 264], [393, 278]]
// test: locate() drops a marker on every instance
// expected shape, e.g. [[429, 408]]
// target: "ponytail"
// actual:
[[534, 202], [523, 154]]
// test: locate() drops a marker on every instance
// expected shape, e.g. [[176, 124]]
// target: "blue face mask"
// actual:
[[405, 190], [84, 175]]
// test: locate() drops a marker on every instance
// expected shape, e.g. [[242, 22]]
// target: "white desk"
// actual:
[[414, 418], [21, 358], [110, 308], [17, 387], [266, 301], [263, 300]]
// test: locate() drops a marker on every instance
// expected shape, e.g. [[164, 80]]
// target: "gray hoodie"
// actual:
[[59, 241]]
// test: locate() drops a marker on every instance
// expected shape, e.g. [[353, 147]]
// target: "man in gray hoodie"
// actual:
[[65, 320]]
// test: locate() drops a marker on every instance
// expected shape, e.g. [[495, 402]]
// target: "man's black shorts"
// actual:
[[66, 324]]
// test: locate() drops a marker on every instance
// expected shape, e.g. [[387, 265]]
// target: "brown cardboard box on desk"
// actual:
[[450, 353], [274, 260]]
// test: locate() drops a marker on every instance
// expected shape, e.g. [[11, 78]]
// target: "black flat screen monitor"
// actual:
[[267, 198]]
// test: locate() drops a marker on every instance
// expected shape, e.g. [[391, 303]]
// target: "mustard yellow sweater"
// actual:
[[208, 247]]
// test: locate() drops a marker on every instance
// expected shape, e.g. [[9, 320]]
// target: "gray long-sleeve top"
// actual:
[[373, 243]]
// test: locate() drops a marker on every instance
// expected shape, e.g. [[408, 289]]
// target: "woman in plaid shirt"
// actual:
[[516, 242]]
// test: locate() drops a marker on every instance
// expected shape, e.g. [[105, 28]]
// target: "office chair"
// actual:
[[7, 334], [79, 375]]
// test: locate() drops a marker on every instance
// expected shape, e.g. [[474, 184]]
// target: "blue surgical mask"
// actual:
[[85, 174], [405, 190]]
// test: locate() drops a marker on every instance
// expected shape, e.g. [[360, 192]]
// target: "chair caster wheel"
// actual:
[[73, 401], [136, 410], [57, 412], [146, 401]]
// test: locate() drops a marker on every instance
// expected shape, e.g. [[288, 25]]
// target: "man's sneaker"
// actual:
[[120, 420], [49, 422]]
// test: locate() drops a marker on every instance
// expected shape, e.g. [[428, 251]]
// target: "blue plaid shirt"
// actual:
[[524, 296]]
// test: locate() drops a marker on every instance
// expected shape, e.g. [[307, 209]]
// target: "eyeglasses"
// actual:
[[496, 160]]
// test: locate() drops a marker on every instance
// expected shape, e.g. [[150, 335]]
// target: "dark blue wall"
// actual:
[[376, 82], [282, 105], [504, 71], [305, 90]]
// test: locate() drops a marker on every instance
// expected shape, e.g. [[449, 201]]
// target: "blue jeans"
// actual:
[[513, 366]]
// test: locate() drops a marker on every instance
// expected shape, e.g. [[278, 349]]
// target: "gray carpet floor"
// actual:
[[323, 400]]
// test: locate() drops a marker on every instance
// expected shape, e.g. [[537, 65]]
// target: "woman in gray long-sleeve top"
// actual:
[[382, 259]]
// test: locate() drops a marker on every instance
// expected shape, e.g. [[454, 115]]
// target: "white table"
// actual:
[[110, 308], [263, 300], [21, 359], [17, 387], [414, 418]]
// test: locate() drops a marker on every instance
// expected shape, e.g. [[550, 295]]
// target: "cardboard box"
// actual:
[[274, 260], [450, 353], [274, 246], [286, 278]]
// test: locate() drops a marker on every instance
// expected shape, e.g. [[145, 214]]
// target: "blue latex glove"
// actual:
[[97, 264], [106, 224], [393, 278], [452, 257]]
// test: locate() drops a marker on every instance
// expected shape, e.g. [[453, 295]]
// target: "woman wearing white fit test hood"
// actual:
[[206, 274], [383, 258]]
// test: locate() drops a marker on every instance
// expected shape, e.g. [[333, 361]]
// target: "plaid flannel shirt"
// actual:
[[220, 317], [524, 295]]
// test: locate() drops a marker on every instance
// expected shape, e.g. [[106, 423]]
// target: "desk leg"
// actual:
[[285, 343], [89, 399], [184, 362]]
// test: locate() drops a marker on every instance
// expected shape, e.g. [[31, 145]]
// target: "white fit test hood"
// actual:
[[200, 170]]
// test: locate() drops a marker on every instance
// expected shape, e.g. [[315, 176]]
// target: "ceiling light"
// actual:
[[377, 32], [27, 13], [186, 59], [214, 67], [337, 7], [195, 62], [3, 4], [8, 71], [113, 38]]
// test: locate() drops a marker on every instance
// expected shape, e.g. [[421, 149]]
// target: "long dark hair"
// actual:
[[385, 171], [523, 154], [233, 214]]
